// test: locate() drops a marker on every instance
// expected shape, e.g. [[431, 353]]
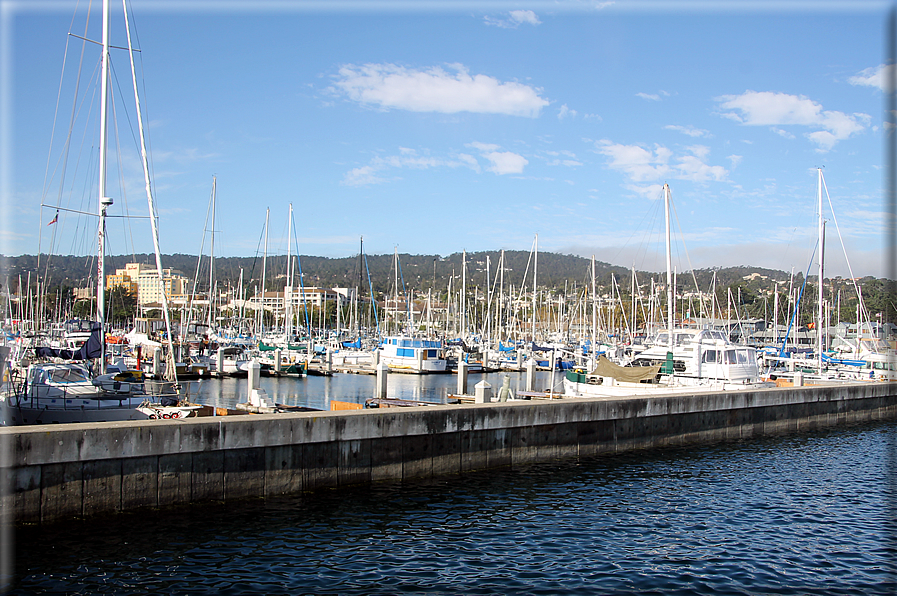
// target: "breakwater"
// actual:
[[80, 470]]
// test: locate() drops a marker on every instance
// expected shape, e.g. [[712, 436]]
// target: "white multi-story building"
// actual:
[[311, 296], [150, 288]]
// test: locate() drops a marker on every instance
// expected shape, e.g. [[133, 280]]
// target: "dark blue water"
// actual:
[[809, 513]]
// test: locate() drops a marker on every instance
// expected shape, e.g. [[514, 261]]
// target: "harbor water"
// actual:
[[317, 391], [806, 513]]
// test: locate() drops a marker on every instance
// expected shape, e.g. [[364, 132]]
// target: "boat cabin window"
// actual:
[[730, 357], [710, 356], [67, 375], [743, 357]]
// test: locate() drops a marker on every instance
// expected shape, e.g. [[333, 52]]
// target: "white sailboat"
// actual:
[[682, 360], [872, 360], [54, 392]]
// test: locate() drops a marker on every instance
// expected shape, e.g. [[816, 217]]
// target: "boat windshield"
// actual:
[[68, 375]]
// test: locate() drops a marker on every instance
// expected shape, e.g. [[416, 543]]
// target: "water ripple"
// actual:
[[803, 514]]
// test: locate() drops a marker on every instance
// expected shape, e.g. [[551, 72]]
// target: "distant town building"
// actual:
[[142, 280]]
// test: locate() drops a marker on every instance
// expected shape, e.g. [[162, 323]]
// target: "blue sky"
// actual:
[[441, 127]]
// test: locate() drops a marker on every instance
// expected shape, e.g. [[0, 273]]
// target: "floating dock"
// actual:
[[79, 470]]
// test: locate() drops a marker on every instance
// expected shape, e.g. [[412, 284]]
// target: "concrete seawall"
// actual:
[[60, 472]]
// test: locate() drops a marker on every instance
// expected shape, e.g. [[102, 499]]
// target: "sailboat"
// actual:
[[65, 389], [681, 361], [871, 361]]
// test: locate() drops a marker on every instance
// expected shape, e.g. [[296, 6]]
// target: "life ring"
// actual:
[[152, 416]]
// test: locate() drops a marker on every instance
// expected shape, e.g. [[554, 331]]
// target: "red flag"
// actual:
[[55, 219]]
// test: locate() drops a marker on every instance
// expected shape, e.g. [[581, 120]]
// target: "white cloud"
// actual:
[[564, 112], [688, 130], [435, 90], [514, 20], [503, 162], [735, 160], [484, 146], [782, 133], [407, 158], [642, 164], [653, 96], [768, 108], [525, 16], [638, 163], [470, 161], [362, 177], [693, 167], [881, 76]]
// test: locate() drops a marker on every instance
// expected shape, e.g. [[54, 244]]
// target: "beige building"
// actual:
[[143, 281], [127, 278], [150, 289]]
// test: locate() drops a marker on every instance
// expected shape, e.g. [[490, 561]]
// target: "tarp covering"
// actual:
[[92, 348], [628, 374]]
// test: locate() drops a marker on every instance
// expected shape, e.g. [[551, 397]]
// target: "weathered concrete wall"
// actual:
[[76, 470]]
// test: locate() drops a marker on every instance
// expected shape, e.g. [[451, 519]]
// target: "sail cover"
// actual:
[[92, 348], [628, 374]]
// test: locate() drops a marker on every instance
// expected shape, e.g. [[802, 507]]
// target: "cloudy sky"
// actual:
[[441, 127]]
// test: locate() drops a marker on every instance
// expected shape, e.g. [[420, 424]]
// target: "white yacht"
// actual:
[[403, 353], [699, 360]]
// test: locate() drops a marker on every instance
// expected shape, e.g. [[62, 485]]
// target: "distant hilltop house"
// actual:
[[754, 276]]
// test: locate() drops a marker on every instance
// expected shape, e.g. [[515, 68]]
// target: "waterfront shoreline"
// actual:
[[82, 470]]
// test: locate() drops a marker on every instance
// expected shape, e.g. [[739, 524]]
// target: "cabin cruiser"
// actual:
[[697, 360], [402, 353]]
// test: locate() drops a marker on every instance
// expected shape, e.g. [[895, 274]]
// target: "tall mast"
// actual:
[[170, 369], [212, 258], [535, 273], [501, 295], [104, 201], [488, 305], [819, 321], [666, 207], [395, 258], [261, 325], [594, 316], [463, 305], [288, 306]]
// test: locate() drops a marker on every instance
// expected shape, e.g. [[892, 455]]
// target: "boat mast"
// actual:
[[288, 307], [820, 340], [499, 320], [261, 323], [104, 201], [535, 272], [666, 206], [463, 305], [594, 318], [171, 369], [212, 258]]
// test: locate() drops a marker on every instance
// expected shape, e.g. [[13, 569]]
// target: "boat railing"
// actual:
[[62, 397]]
